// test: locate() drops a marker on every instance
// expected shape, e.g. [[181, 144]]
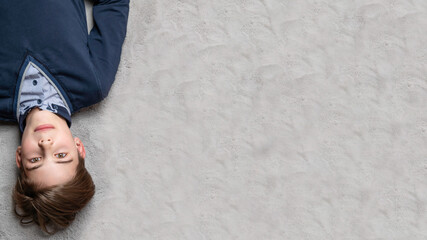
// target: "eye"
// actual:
[[34, 160], [60, 155]]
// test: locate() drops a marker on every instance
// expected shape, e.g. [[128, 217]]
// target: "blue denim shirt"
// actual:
[[37, 91]]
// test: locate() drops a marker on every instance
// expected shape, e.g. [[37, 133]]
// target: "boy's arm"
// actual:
[[106, 39]]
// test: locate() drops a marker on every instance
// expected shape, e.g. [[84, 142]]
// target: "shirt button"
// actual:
[[39, 101], [34, 82]]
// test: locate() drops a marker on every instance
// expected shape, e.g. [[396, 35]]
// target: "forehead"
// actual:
[[51, 174]]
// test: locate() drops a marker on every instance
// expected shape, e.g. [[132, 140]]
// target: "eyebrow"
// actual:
[[62, 162]]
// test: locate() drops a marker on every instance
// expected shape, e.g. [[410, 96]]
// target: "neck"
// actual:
[[37, 116]]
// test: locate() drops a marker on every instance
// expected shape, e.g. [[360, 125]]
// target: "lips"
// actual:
[[44, 127]]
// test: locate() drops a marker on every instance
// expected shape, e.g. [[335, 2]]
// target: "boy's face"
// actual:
[[48, 153]]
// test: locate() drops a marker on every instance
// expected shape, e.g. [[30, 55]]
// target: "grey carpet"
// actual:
[[256, 119]]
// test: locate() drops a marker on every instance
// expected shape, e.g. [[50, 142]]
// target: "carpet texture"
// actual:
[[255, 119]]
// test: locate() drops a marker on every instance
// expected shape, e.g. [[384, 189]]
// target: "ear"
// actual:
[[80, 147], [18, 157]]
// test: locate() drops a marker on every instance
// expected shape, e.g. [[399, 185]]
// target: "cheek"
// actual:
[[26, 144], [28, 147]]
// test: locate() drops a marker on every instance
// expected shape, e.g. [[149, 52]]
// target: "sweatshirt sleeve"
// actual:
[[106, 39]]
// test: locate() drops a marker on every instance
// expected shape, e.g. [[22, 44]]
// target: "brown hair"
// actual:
[[57, 205]]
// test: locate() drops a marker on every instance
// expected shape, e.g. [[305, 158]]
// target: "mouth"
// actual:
[[44, 127]]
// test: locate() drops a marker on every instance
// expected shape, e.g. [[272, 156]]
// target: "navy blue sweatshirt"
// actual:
[[53, 35]]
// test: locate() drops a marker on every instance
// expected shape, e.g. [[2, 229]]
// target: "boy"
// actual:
[[50, 68]]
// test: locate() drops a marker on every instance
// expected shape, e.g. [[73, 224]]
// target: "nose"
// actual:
[[45, 141]]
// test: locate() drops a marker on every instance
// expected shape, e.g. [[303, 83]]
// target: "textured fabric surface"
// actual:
[[250, 119]]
